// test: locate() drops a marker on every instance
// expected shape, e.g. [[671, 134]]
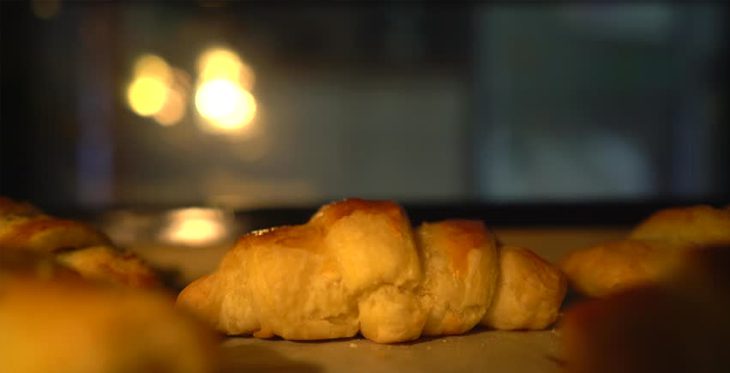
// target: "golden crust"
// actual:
[[356, 265], [106, 264], [47, 234], [614, 266], [529, 292], [651, 251], [68, 325], [460, 262], [332, 212], [78, 245], [699, 225]]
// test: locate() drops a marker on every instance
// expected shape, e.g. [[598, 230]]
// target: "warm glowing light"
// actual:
[[225, 104], [147, 95], [195, 229], [157, 91], [152, 66], [219, 63], [223, 97], [173, 110], [194, 226]]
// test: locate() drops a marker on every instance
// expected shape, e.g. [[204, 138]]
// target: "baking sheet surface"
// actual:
[[478, 351]]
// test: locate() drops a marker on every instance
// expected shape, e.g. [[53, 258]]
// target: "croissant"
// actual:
[[75, 244], [653, 250], [358, 266]]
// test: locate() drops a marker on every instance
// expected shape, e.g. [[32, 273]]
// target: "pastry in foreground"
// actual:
[[52, 320], [357, 266]]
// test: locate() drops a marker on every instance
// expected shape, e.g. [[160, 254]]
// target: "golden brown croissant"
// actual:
[[652, 250], [78, 245], [358, 266]]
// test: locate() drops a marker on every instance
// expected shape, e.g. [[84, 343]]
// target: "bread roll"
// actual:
[[529, 292], [652, 250], [355, 266], [698, 226], [614, 266], [461, 263], [104, 263], [47, 234], [79, 246]]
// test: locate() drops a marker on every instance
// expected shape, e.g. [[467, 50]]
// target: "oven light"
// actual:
[[223, 97]]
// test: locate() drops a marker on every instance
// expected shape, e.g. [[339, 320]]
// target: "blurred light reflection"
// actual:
[[157, 91], [194, 226], [223, 96], [147, 95]]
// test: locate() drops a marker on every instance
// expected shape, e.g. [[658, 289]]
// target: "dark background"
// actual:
[[618, 107]]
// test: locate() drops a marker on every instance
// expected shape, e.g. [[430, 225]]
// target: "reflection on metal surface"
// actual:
[[185, 227], [194, 227], [223, 96]]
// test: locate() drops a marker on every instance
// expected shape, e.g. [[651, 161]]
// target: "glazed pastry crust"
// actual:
[[357, 266], [700, 225], [461, 262], [46, 234], [529, 292], [651, 251], [79, 246], [348, 269], [104, 263]]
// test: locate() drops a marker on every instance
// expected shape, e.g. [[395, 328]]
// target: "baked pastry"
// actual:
[[80, 246], [45, 233], [461, 265], [105, 263], [529, 292], [59, 322], [355, 266], [699, 225], [651, 251], [676, 324], [615, 266]]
